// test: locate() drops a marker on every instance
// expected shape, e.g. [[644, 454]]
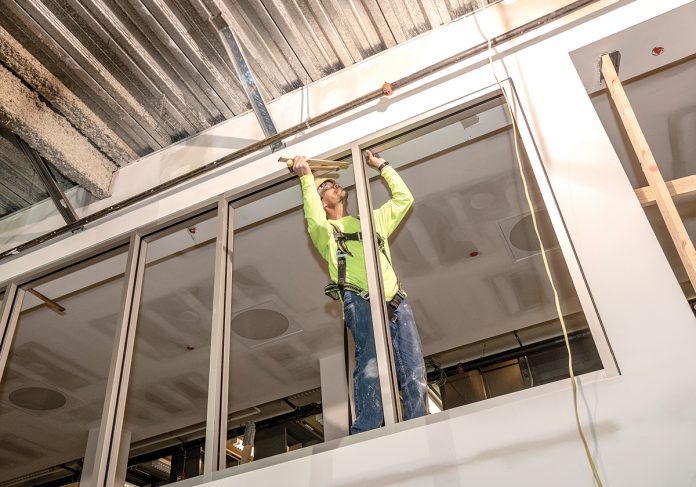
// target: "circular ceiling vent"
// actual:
[[260, 324], [37, 398], [523, 236]]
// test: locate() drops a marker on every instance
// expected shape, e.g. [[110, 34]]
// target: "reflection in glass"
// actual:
[[168, 389], [470, 261], [52, 391]]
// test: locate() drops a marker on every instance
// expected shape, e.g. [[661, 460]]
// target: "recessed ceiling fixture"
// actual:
[[260, 324], [37, 398]]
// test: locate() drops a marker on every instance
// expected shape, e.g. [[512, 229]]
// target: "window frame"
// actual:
[[106, 454]]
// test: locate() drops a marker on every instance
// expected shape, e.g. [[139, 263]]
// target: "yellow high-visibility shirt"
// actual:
[[386, 219]]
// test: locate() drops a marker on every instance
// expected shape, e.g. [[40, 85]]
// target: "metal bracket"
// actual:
[[247, 78], [615, 57], [49, 181]]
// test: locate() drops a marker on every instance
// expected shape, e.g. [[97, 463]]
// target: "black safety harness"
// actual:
[[335, 290]]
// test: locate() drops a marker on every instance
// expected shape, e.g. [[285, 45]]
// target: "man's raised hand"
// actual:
[[372, 160], [300, 166]]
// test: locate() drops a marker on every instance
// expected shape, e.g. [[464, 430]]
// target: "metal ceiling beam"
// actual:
[[24, 114], [52, 187], [42, 22], [33, 73], [247, 78]]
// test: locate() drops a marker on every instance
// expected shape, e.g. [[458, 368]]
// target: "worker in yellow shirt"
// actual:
[[337, 237]]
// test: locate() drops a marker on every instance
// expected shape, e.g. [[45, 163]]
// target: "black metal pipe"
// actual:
[[524, 350], [301, 412], [270, 141]]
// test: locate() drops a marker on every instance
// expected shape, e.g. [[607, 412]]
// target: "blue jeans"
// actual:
[[408, 362]]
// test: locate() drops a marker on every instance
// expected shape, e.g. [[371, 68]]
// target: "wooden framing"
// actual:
[[677, 187], [659, 190]]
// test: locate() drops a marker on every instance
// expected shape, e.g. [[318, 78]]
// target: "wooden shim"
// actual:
[[49, 302], [677, 187], [664, 201]]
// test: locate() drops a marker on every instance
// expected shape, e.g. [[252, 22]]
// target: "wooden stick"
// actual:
[[664, 201], [318, 163], [49, 302], [677, 187]]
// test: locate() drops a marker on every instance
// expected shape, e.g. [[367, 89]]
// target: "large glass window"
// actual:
[[166, 406], [470, 262], [288, 385], [53, 387]]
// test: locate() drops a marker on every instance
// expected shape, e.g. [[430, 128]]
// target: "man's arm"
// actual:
[[390, 214], [317, 224]]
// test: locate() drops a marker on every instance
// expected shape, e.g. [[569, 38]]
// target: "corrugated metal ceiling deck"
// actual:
[[155, 71]]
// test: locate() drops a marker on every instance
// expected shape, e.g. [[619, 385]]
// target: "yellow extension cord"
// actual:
[[548, 274]]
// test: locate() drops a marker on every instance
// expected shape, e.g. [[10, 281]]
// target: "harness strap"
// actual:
[[335, 290], [341, 258]]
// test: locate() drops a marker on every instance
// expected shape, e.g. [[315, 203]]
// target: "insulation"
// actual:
[[52, 136]]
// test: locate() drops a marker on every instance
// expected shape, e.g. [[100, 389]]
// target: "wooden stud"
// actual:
[[664, 201], [677, 187]]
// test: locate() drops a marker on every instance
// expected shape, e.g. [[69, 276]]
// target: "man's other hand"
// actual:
[[372, 160], [300, 166]]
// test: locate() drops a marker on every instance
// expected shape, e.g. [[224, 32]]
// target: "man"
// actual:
[[337, 237]]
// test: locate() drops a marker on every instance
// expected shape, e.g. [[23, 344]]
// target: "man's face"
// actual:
[[332, 193]]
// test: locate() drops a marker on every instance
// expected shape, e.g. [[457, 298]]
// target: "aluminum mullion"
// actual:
[[9, 314], [380, 324], [111, 425], [218, 376]]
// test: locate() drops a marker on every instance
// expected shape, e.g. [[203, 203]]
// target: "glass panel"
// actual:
[[469, 260], [168, 389], [667, 124], [26, 211], [287, 337], [52, 392]]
